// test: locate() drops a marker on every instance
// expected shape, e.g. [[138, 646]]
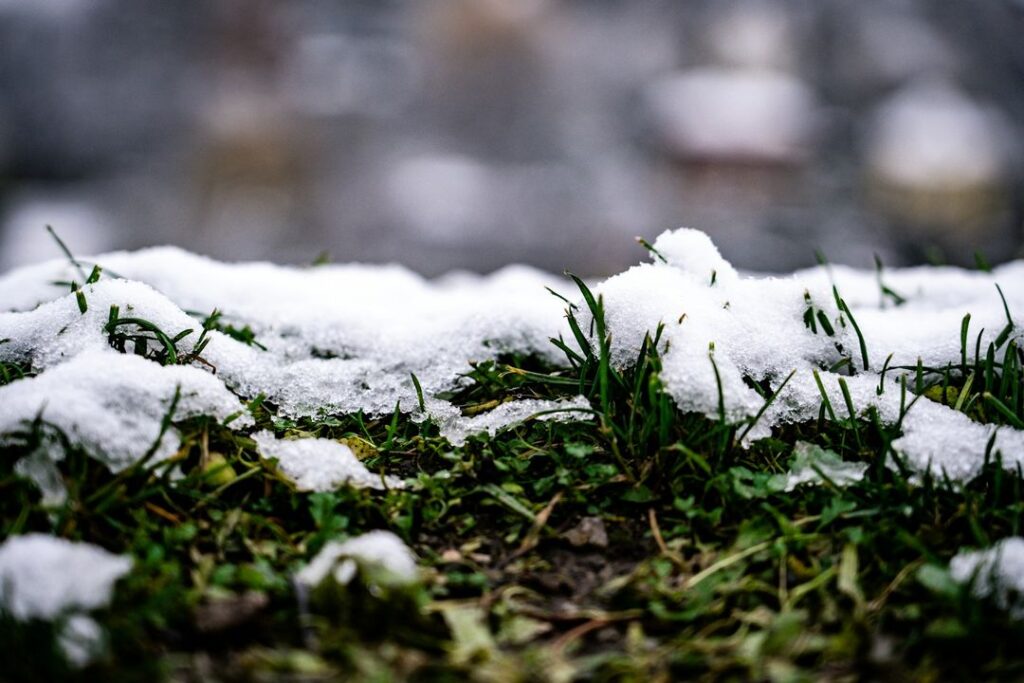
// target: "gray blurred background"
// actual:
[[472, 133]]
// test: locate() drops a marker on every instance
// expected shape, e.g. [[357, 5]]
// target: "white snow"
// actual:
[[382, 551], [811, 464], [113, 404], [320, 464], [756, 328], [81, 639], [44, 577], [511, 413], [997, 573], [340, 339]]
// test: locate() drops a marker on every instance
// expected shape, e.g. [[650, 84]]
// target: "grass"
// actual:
[[645, 545]]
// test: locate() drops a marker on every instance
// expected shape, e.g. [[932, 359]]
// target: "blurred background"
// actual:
[[473, 133]]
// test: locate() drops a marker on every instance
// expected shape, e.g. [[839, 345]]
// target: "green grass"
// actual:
[[705, 570]]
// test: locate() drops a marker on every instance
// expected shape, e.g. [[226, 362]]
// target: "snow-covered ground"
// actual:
[[340, 339]]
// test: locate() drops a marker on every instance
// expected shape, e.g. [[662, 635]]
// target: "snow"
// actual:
[[113, 404], [512, 413], [81, 639], [347, 338], [340, 338], [382, 552], [320, 464], [812, 465], [996, 573], [753, 327], [45, 577]]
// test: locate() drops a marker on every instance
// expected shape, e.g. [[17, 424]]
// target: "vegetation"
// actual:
[[643, 545]]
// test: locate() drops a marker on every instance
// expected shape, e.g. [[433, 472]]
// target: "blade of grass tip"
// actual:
[[393, 427], [1003, 335], [556, 294], [809, 314], [588, 296], [718, 383], [1001, 408], [83, 305], [849, 407], [856, 328], [903, 400], [977, 348], [825, 324], [964, 392], [581, 339], [881, 376], [575, 359], [604, 358], [361, 421], [181, 335], [67, 252], [905, 410], [765, 406], [650, 247], [824, 396], [964, 326], [1006, 308], [419, 392]]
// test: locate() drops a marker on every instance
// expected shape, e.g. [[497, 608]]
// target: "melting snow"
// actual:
[[997, 573], [113, 404], [457, 430], [755, 326], [811, 464], [320, 464], [377, 550], [345, 338], [44, 577]]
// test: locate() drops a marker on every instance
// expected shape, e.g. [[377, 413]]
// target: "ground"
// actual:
[[646, 544]]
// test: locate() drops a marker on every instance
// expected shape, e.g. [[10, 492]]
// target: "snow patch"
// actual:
[[44, 577], [512, 413], [343, 339], [812, 464], [112, 405], [320, 464], [381, 552], [997, 573], [722, 329], [339, 339]]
